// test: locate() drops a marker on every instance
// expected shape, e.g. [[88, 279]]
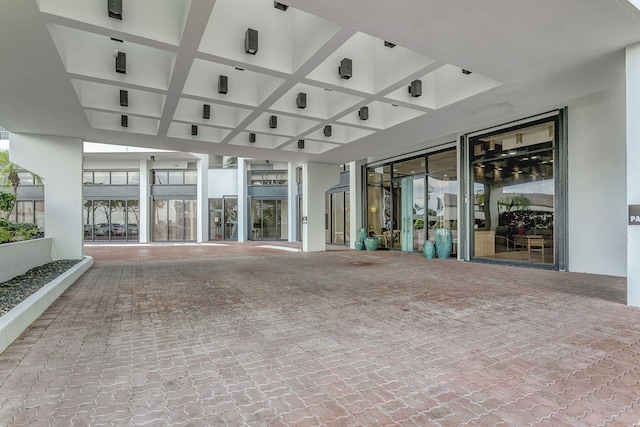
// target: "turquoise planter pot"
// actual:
[[362, 234], [359, 246], [443, 242], [429, 249], [371, 243]]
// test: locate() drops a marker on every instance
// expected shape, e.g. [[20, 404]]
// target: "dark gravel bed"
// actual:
[[14, 291]]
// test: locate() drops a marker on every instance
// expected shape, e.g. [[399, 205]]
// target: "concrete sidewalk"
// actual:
[[238, 335]]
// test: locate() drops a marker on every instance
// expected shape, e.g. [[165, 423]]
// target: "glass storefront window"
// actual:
[[514, 193], [101, 177], [119, 178], [408, 199], [133, 177], [160, 177], [87, 177], [230, 218], [176, 177], [191, 177]]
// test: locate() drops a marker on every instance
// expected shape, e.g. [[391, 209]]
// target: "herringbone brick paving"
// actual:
[[241, 335]]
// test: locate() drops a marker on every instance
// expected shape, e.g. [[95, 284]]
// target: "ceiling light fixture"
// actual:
[[252, 137], [327, 130], [124, 98], [363, 113], [206, 111], [301, 100], [114, 8], [121, 62], [280, 6], [194, 130], [251, 41], [223, 84], [345, 69], [518, 138], [466, 72], [124, 121], [389, 44], [273, 122], [301, 144], [415, 89]]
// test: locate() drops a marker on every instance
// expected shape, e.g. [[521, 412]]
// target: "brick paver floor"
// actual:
[[242, 335]]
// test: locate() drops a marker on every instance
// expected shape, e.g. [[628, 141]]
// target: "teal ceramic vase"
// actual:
[[429, 249], [443, 242], [359, 246], [362, 234], [371, 243]]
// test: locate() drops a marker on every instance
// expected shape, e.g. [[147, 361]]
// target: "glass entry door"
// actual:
[[410, 196], [269, 220]]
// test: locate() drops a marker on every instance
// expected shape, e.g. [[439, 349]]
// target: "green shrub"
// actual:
[[5, 236], [17, 231]]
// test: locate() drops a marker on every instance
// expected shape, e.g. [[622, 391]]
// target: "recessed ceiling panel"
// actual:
[[107, 97], [191, 111], [381, 115], [161, 20], [444, 86], [285, 125], [112, 121], [340, 134], [261, 140], [310, 147], [94, 56], [243, 87], [374, 66], [205, 133], [319, 103]]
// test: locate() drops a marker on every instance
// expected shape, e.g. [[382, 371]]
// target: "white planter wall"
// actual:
[[19, 257]]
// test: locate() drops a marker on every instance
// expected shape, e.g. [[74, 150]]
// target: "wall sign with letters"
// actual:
[[634, 214]]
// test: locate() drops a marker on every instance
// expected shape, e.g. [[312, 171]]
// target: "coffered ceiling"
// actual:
[[476, 63]]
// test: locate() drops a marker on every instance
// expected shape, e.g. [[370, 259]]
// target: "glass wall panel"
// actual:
[[133, 178], [119, 178], [175, 219], [231, 218], [190, 225], [160, 220], [216, 219], [327, 218], [87, 177], [118, 220], [101, 177], [24, 211], [191, 177], [337, 217], [283, 219], [133, 220], [514, 193], [101, 226], [39, 209], [176, 177], [87, 216], [160, 177]]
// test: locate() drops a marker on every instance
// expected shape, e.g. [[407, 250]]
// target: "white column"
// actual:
[[291, 193], [203, 198], [633, 171], [317, 179], [145, 217], [356, 198], [59, 161], [242, 200]]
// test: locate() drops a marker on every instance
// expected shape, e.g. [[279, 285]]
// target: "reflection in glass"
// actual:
[[133, 219], [118, 220], [160, 220], [119, 178], [514, 191], [231, 218]]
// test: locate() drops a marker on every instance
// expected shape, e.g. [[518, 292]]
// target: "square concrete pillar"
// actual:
[[633, 171], [59, 161], [317, 178]]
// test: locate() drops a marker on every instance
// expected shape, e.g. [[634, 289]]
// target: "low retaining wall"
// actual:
[[21, 316], [19, 257]]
